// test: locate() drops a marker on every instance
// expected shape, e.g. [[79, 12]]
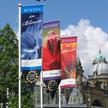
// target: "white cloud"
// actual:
[[89, 40]]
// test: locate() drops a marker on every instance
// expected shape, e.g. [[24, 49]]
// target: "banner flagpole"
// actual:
[[41, 86], [19, 46], [59, 96]]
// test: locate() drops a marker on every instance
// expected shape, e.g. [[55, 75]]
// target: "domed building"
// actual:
[[99, 72]]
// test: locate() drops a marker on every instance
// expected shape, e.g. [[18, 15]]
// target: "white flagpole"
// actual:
[[41, 86], [59, 96], [19, 37]]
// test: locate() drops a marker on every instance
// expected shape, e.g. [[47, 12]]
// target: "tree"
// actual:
[[9, 72], [8, 65], [27, 94]]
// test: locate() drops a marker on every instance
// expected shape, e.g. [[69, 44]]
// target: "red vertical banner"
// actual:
[[51, 62], [51, 51], [68, 61]]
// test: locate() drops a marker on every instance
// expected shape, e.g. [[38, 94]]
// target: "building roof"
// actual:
[[100, 64]]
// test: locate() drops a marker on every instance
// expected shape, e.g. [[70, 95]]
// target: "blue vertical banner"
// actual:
[[31, 41]]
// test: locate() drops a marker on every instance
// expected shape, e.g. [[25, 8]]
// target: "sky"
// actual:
[[87, 19]]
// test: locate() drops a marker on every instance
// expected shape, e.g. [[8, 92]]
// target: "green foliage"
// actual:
[[8, 63], [27, 94], [9, 71], [13, 102]]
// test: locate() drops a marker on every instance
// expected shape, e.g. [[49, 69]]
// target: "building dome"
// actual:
[[99, 58], [100, 65]]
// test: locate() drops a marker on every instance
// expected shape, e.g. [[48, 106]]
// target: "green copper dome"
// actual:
[[100, 65], [99, 58]]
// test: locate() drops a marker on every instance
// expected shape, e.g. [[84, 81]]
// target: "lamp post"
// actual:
[[19, 32]]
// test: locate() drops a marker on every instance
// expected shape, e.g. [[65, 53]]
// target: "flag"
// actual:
[[31, 42], [51, 61], [68, 62]]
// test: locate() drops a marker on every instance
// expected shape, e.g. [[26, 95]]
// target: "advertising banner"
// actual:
[[51, 62], [68, 61], [51, 51], [31, 41]]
